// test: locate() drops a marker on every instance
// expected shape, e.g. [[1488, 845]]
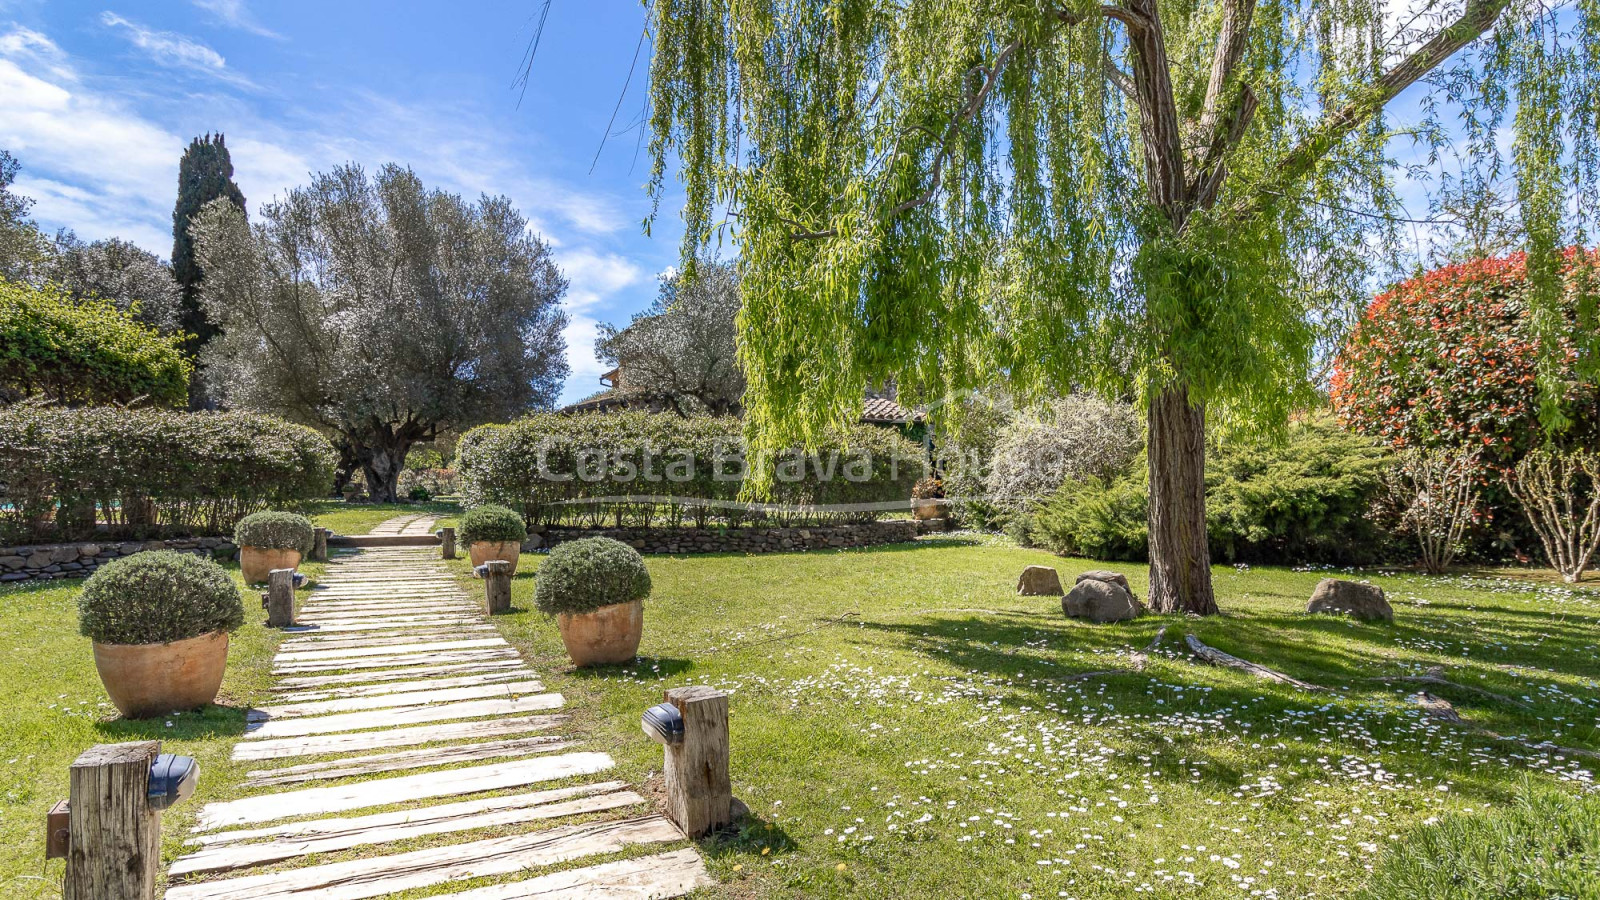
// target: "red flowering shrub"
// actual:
[[1449, 359]]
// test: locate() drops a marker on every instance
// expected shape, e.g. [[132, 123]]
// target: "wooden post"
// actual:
[[447, 543], [319, 546], [497, 587], [699, 794], [115, 850], [280, 598]]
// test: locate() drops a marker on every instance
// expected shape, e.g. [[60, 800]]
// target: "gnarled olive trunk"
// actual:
[[1180, 556], [382, 467]]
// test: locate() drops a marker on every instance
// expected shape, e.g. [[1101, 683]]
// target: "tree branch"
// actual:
[[1236, 17], [1122, 80], [967, 112], [1213, 168], [1478, 17]]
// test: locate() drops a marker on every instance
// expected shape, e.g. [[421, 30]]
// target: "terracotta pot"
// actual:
[[257, 562], [147, 680], [483, 551], [607, 636]]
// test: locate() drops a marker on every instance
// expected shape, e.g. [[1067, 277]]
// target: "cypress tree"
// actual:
[[204, 174]]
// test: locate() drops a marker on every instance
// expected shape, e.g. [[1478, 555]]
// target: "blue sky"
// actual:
[[98, 100]]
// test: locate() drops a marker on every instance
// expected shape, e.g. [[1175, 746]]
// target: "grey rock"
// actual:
[[1105, 575], [1039, 581], [88, 550], [1350, 598], [14, 576], [13, 562], [38, 560], [64, 554], [1100, 601]]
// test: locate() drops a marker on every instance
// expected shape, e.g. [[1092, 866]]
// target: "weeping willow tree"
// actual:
[[1172, 201]]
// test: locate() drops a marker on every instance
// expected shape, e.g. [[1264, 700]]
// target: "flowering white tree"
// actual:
[[1560, 493], [1070, 439], [382, 312]]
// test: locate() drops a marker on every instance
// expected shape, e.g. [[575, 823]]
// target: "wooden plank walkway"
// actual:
[[401, 716]]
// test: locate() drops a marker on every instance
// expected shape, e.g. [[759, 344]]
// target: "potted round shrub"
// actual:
[[160, 623], [271, 540], [595, 588], [492, 532]]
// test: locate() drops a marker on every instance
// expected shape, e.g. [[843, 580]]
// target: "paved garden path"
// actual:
[[405, 525], [401, 716]]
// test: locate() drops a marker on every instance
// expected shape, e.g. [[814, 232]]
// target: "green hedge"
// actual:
[[1305, 499], [145, 472], [84, 351], [596, 469]]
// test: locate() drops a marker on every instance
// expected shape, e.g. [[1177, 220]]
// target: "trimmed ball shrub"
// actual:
[[491, 523], [271, 530], [582, 576], [157, 597]]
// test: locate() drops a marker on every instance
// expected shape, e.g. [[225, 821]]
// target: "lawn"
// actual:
[[903, 724], [55, 708], [340, 517]]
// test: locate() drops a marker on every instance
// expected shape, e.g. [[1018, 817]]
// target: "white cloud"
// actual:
[[236, 14], [594, 278], [174, 50], [91, 164]]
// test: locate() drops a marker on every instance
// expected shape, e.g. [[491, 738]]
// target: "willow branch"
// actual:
[[1478, 17]]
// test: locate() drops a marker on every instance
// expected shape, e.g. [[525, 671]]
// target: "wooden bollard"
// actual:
[[280, 598], [447, 543], [319, 546], [115, 844], [699, 793], [497, 587]]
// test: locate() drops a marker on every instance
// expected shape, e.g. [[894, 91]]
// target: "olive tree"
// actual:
[[680, 352], [1168, 199], [380, 311], [114, 269]]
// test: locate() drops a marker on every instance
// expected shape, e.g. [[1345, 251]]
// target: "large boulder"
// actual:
[[1100, 601], [1106, 575], [1350, 598], [1039, 581]]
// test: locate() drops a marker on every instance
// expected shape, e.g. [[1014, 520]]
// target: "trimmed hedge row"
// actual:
[[149, 471], [611, 469]]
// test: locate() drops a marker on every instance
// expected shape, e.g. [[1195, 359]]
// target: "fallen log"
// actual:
[[1441, 709], [1141, 658], [1227, 660]]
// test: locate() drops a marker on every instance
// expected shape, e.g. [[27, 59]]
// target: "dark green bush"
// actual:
[[643, 468], [150, 471], [419, 494], [491, 523], [584, 575], [273, 530], [84, 351], [1304, 499], [1546, 844], [158, 597]]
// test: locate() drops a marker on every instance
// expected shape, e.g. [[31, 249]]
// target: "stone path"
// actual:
[[401, 717], [405, 525]]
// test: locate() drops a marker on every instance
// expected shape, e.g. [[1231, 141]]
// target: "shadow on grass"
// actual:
[[215, 720], [666, 667]]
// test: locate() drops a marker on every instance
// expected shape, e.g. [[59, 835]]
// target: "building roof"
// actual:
[[881, 411]]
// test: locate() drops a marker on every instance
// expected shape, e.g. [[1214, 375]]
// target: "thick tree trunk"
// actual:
[[382, 467], [1180, 558]]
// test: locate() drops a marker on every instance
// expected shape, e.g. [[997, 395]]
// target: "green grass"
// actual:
[[904, 725], [55, 708], [359, 518]]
